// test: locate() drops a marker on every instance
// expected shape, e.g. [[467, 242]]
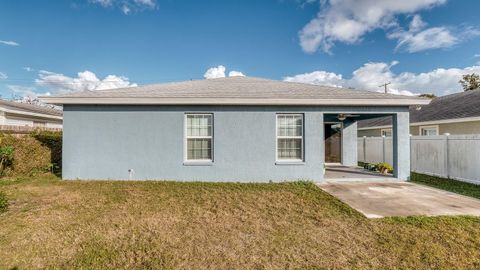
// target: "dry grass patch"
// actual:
[[132, 225]]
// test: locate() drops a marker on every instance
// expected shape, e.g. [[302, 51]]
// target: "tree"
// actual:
[[430, 96], [470, 81]]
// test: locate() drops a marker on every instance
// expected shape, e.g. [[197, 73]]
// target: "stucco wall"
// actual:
[[104, 142]]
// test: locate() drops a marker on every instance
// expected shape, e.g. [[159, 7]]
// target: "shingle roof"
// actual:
[[231, 89], [459, 105], [30, 107]]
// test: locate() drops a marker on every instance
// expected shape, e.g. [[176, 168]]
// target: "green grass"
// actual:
[[169, 225], [459, 187]]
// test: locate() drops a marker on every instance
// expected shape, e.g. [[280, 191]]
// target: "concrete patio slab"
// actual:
[[377, 199]]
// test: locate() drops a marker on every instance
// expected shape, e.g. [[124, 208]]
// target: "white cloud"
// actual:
[[24, 92], [28, 69], [147, 3], [318, 77], [219, 72], [348, 20], [3, 76], [9, 43], [235, 73], [127, 6], [125, 9], [103, 3], [86, 80], [417, 23], [28, 94], [215, 72], [431, 38], [370, 76], [417, 38]]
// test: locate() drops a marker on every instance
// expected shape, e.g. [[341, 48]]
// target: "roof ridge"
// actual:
[[235, 89], [32, 107]]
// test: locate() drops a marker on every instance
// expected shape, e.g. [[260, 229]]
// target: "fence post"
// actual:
[[447, 165], [383, 148], [365, 149], [411, 153]]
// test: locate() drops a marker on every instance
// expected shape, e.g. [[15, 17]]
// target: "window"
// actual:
[[428, 130], [290, 137], [387, 132], [199, 137]]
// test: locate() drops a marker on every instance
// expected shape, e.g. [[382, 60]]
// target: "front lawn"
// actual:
[[135, 225], [460, 187]]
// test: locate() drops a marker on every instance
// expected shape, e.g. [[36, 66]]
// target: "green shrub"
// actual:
[[370, 166], [383, 166], [34, 153], [6, 157], [3, 202]]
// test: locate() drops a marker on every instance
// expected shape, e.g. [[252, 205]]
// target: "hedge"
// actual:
[[34, 153]]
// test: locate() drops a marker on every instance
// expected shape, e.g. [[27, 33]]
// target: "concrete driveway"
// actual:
[[377, 199]]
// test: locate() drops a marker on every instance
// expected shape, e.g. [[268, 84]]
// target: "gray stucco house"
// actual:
[[229, 129]]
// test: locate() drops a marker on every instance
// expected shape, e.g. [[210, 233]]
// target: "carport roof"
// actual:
[[236, 91]]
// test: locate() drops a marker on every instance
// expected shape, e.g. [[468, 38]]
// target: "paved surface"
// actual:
[[376, 199], [340, 172]]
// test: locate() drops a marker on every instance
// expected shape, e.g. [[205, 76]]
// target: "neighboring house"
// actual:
[[227, 129], [456, 114], [22, 117]]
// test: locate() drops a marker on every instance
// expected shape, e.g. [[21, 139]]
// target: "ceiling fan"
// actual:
[[343, 116]]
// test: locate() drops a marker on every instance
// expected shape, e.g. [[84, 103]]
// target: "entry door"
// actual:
[[333, 142]]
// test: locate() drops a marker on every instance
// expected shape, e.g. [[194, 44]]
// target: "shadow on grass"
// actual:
[[52, 140]]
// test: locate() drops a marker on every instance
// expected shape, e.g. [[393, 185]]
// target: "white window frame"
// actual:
[[186, 137], [421, 128], [386, 130], [301, 160]]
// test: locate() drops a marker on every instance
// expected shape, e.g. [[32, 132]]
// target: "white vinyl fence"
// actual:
[[449, 156]]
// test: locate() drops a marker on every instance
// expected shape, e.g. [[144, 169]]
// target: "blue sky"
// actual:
[[421, 46]]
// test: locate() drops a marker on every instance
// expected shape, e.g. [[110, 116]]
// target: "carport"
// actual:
[[341, 146]]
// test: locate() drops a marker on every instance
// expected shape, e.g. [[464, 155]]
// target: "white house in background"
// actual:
[[16, 116], [455, 114]]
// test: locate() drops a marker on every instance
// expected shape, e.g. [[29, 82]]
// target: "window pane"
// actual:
[[199, 149], [298, 125], [289, 125], [289, 148], [429, 131], [280, 125], [199, 125]]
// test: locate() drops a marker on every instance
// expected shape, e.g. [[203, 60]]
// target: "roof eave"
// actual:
[[231, 101], [30, 113]]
